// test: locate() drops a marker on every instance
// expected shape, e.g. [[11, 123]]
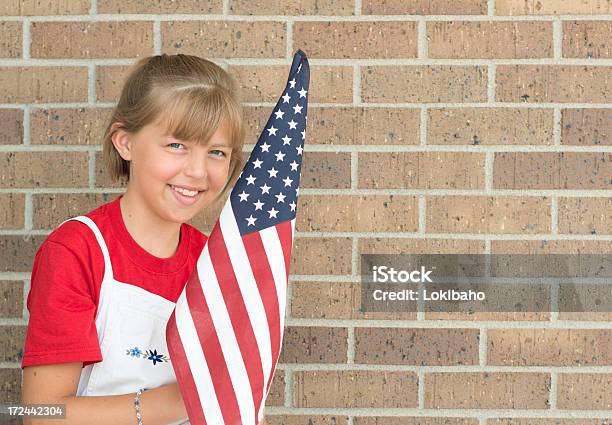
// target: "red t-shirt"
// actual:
[[67, 276]]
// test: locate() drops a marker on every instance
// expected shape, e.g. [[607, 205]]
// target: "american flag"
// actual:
[[225, 333]]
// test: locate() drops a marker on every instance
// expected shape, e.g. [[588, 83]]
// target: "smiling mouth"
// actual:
[[186, 192]]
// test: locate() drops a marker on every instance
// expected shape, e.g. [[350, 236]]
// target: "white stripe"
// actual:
[[276, 258], [197, 361], [248, 287], [227, 338]]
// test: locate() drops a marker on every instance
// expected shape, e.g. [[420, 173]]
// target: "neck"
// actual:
[[140, 220]]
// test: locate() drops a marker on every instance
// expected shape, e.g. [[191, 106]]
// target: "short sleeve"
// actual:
[[62, 310]]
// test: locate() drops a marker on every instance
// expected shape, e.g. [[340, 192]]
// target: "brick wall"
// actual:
[[436, 126]]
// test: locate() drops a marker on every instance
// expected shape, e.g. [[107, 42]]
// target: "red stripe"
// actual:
[[237, 311], [285, 236], [267, 289], [183, 373], [211, 347]]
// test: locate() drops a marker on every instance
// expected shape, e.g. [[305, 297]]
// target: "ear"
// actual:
[[122, 141]]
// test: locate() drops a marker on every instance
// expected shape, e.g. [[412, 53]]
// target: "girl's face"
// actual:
[[176, 178]]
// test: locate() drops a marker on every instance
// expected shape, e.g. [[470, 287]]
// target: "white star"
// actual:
[[265, 189], [294, 166], [286, 140], [257, 163], [258, 205], [279, 114], [279, 156], [292, 205], [273, 213], [272, 131], [288, 181], [299, 67], [251, 220], [303, 134], [265, 147], [286, 98], [243, 196], [272, 172], [302, 92], [250, 179], [297, 109], [280, 197], [297, 191], [299, 149], [292, 82], [292, 124]]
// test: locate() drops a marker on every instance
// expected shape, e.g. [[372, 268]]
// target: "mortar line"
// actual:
[[358, 7], [288, 386], [93, 10], [226, 8], [25, 314], [157, 40], [557, 27], [26, 39], [491, 8], [91, 170], [424, 113], [350, 345], [27, 130], [356, 274], [482, 347], [554, 215], [422, 46], [357, 85], [28, 213], [557, 118], [488, 172], [552, 395], [91, 85], [422, 215], [491, 84], [289, 33], [421, 388], [354, 170]]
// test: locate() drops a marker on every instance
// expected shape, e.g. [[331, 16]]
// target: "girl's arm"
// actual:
[[57, 384]]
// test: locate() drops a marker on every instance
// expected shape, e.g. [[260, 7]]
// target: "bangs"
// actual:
[[194, 113]]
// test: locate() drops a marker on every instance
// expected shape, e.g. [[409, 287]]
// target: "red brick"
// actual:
[[91, 39], [424, 7], [424, 83], [490, 126], [329, 84], [17, 252], [553, 83], [276, 396], [327, 256], [11, 299], [586, 126], [482, 214], [50, 210], [585, 215], [490, 40], [552, 170], [417, 420], [12, 210], [345, 213], [486, 390], [551, 247], [325, 300], [10, 39], [549, 347], [43, 84], [354, 389], [12, 126], [417, 346], [305, 420], [161, 6], [12, 340], [544, 421], [229, 39], [584, 391], [587, 39], [310, 344], [69, 126], [10, 386], [551, 7], [421, 170], [357, 40], [43, 169], [49, 7], [109, 81], [103, 178], [289, 7]]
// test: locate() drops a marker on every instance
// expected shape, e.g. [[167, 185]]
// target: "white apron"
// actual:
[[131, 325]]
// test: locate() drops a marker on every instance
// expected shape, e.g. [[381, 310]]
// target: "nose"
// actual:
[[195, 167]]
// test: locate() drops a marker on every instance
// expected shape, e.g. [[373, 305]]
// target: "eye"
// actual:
[[176, 145], [217, 152]]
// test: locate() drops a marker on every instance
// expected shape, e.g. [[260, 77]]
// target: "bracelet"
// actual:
[[137, 405]]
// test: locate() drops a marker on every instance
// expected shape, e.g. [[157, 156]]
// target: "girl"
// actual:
[[104, 284]]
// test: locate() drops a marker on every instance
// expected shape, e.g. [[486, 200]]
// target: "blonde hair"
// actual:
[[190, 96]]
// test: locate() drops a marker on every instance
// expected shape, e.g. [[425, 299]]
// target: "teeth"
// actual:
[[185, 192]]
